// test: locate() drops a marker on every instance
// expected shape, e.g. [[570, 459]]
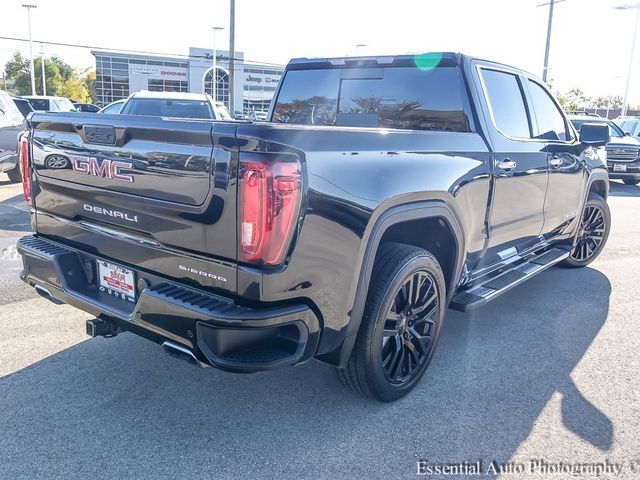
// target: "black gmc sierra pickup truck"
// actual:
[[380, 192]]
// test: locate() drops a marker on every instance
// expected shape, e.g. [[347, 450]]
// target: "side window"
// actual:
[[551, 125], [506, 103]]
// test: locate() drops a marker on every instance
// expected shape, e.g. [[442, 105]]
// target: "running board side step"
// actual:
[[481, 293]]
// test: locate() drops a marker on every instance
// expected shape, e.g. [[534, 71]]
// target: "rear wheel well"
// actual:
[[434, 235], [599, 187]]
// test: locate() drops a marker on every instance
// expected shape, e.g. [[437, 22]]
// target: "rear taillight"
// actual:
[[24, 163], [270, 193]]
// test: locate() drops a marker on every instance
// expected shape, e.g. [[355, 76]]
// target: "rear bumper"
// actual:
[[215, 329]]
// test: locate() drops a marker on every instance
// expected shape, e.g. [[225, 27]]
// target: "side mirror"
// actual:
[[628, 134], [594, 134]]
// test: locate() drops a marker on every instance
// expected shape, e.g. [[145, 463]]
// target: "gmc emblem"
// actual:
[[105, 168]]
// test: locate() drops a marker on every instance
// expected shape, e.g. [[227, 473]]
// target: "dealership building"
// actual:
[[120, 74]]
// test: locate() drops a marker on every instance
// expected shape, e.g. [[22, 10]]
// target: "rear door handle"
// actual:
[[507, 165], [555, 162]]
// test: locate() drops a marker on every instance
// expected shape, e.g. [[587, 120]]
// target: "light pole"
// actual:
[[633, 49], [548, 44], [44, 78], [359, 46], [215, 66], [29, 6]]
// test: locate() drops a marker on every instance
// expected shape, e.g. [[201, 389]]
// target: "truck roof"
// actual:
[[421, 60], [369, 60]]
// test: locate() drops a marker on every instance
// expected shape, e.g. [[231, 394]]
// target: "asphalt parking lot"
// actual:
[[548, 371]]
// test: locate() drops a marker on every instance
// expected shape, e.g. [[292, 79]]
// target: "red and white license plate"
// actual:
[[116, 280], [619, 167]]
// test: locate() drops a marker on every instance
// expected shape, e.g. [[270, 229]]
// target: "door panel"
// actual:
[[518, 199], [519, 165], [566, 188], [566, 171]]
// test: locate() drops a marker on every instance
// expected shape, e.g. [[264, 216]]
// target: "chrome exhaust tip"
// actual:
[[182, 353]]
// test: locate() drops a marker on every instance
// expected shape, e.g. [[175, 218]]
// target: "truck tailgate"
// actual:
[[150, 191]]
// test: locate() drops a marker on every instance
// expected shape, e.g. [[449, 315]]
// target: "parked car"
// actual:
[[259, 116], [50, 104], [381, 192], [86, 107], [113, 107], [622, 151], [629, 125], [11, 124], [174, 104], [23, 105]]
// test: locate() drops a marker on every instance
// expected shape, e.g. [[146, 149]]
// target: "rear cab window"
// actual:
[[394, 97], [41, 104]]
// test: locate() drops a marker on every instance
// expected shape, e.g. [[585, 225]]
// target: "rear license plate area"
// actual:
[[116, 280]]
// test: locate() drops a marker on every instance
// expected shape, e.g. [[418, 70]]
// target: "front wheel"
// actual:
[[400, 326], [630, 181], [592, 234]]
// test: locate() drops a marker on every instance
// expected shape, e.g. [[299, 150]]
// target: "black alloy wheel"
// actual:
[[592, 234], [407, 337], [400, 325]]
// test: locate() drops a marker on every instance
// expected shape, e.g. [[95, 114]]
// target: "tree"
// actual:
[[604, 102], [62, 80], [89, 79], [575, 99]]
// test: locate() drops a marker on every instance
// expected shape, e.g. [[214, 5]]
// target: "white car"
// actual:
[[176, 105], [113, 107], [50, 104]]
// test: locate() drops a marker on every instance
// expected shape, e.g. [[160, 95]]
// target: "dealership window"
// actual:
[[249, 106], [156, 85], [222, 85], [112, 79]]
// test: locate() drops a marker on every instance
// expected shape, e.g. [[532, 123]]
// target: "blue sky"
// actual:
[[590, 45]]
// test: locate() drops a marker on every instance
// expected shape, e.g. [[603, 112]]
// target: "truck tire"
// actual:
[[630, 181], [400, 325], [592, 234], [15, 176]]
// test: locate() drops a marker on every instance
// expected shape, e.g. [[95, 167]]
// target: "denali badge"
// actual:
[[105, 168], [200, 272], [110, 213]]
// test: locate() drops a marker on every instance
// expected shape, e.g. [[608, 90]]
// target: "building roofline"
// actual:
[[111, 53]]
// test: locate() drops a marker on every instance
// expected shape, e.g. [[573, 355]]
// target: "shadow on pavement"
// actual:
[[621, 190], [14, 214], [116, 408], [4, 180]]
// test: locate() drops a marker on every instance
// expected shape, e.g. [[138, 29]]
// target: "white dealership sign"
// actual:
[[158, 72]]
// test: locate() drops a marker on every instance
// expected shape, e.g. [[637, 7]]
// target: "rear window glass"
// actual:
[[40, 103], [168, 108], [389, 97]]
